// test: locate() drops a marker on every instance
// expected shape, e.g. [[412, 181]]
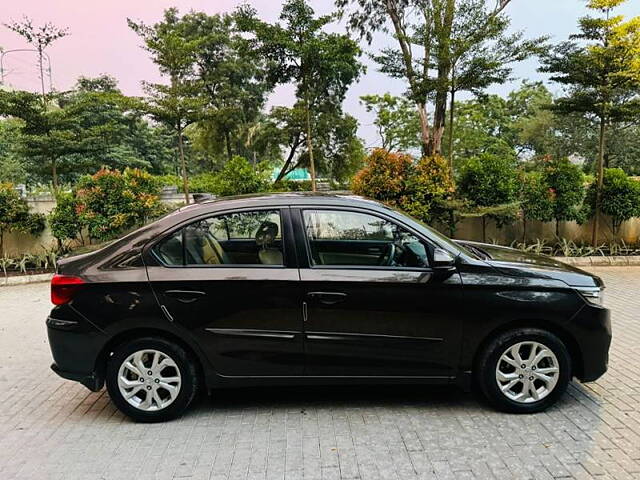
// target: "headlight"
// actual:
[[593, 295]]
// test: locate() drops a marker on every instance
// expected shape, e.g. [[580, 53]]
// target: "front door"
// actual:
[[231, 280], [374, 306]]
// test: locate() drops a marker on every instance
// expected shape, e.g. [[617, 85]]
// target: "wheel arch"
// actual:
[[141, 332], [563, 334]]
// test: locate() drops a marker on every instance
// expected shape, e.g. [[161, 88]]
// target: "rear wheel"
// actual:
[[524, 370], [151, 379]]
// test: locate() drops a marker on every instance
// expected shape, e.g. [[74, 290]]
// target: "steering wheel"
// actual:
[[386, 259]]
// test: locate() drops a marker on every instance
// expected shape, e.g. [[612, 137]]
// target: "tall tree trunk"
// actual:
[[599, 177], [227, 141], [183, 165], [451, 119], [44, 94], [312, 165], [425, 131], [54, 175], [524, 230]]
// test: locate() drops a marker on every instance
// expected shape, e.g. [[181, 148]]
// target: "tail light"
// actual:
[[64, 287]]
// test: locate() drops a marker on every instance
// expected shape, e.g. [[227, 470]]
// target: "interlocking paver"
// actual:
[[51, 429]]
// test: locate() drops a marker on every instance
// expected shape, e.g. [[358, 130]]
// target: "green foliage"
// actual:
[[15, 216], [566, 186], [396, 120], [536, 197], [322, 66], [620, 198], [489, 180], [440, 47], [109, 202], [421, 189], [63, 219], [239, 177]]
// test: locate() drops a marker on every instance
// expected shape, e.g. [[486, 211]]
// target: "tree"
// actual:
[[80, 130], [490, 183], [12, 163], [396, 119], [600, 69], [322, 65], [15, 216], [432, 37], [232, 77], [178, 104], [40, 37], [620, 198], [566, 185], [536, 200]]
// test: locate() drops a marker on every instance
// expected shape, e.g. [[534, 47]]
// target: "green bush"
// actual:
[[109, 202], [63, 220], [620, 198], [15, 216], [489, 180], [419, 188], [566, 186], [239, 177]]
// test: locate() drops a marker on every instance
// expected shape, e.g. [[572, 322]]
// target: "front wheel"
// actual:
[[151, 379], [524, 370]]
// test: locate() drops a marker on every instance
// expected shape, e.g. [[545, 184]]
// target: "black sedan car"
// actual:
[[296, 289]]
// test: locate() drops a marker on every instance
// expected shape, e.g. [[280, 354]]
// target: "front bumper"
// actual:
[[592, 331]]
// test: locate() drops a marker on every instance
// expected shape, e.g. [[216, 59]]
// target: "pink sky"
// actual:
[[101, 42]]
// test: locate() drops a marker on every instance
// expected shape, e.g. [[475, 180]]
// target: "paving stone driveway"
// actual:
[[55, 429]]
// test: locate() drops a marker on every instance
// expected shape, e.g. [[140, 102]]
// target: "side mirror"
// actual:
[[442, 259]]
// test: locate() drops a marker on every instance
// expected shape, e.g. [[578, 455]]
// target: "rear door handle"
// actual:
[[185, 296], [328, 298]]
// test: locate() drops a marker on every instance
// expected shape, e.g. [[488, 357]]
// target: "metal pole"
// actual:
[[45, 54]]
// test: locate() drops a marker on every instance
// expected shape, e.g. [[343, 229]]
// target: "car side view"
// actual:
[[301, 289]]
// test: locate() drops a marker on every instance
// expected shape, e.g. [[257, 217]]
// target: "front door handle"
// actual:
[[328, 298], [185, 296]]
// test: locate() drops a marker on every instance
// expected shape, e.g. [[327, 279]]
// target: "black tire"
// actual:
[[185, 364], [487, 364]]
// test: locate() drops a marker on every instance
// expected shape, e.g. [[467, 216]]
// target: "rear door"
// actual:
[[374, 306], [232, 281]]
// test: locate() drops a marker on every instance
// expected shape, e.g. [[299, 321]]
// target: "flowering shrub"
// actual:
[[106, 204], [419, 188]]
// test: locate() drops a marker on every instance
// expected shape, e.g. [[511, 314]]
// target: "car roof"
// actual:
[[284, 199]]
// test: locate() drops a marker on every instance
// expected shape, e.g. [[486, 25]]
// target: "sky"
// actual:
[[100, 42]]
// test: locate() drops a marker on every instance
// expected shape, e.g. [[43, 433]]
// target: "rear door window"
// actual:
[[239, 238]]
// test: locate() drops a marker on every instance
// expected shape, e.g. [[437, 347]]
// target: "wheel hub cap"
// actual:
[[527, 372], [149, 380]]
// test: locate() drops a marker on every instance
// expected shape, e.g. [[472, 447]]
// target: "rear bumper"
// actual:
[[93, 382], [75, 347], [593, 334]]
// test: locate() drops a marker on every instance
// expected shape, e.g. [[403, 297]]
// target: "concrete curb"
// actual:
[[24, 279], [602, 261]]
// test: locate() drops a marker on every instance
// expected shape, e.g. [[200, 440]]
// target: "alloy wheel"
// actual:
[[149, 380], [527, 372]]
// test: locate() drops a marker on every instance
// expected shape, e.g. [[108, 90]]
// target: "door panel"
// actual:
[[247, 320], [380, 323], [393, 317]]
